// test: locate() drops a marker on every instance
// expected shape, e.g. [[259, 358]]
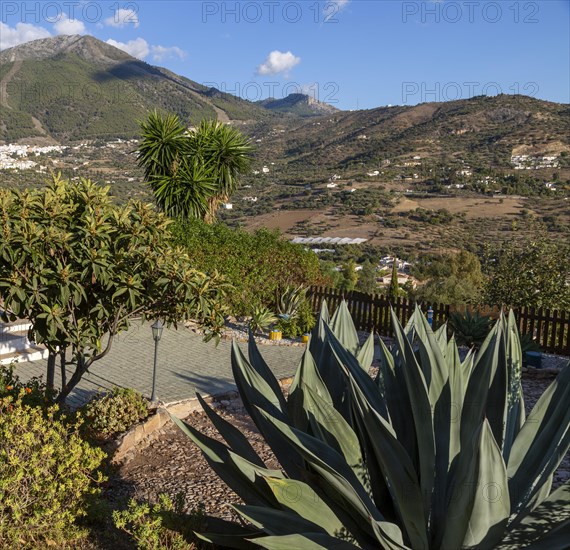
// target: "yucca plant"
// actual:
[[434, 453]]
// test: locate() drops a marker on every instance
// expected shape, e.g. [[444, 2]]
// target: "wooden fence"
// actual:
[[549, 328]]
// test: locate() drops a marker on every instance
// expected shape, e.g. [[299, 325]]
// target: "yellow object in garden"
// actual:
[[275, 335]]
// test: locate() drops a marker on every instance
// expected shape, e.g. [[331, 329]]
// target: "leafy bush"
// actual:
[[46, 475], [257, 265], [110, 414], [161, 526], [469, 329]]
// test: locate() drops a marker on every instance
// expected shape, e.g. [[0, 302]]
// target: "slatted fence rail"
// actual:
[[550, 328]]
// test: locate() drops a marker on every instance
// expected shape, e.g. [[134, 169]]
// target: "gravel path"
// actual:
[[172, 463]]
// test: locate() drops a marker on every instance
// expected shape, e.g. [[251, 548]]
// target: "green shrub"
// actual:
[[161, 526], [110, 414], [257, 265], [47, 472]]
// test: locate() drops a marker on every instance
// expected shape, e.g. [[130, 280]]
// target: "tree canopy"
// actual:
[[191, 171], [454, 278], [531, 272], [80, 267]]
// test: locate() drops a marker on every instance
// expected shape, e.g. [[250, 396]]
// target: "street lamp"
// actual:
[[157, 328]]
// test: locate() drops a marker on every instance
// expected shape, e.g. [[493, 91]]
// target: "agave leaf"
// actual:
[[365, 354], [221, 460], [496, 409], [261, 388], [467, 366], [276, 522], [540, 446], [303, 500], [432, 360], [306, 541], [307, 375], [421, 414], [227, 534], [329, 368], [456, 388], [516, 414], [350, 364], [233, 437], [337, 480], [397, 399], [546, 527], [256, 393], [491, 504], [441, 339], [329, 426], [343, 327], [396, 466], [258, 363], [436, 371], [477, 390]]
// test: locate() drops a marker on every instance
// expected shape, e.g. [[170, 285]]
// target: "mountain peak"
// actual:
[[86, 47], [298, 104]]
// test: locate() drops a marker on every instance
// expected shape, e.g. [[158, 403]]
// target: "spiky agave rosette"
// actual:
[[434, 453]]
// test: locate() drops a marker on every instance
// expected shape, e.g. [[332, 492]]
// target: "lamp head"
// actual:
[[157, 328]]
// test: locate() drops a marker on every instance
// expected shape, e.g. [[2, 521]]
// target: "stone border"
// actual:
[[143, 434]]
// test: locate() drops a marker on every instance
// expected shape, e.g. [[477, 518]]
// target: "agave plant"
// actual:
[[261, 319], [290, 300], [469, 329], [433, 453]]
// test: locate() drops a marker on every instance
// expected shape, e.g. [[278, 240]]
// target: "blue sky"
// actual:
[[350, 53]]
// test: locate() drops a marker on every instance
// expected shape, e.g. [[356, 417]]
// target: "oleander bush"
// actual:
[[110, 414], [47, 475]]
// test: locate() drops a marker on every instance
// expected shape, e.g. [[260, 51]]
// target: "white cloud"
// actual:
[[68, 26], [278, 62], [138, 48], [122, 18], [22, 32], [160, 53]]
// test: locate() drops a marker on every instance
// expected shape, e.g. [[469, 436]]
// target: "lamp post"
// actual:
[[156, 334]]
